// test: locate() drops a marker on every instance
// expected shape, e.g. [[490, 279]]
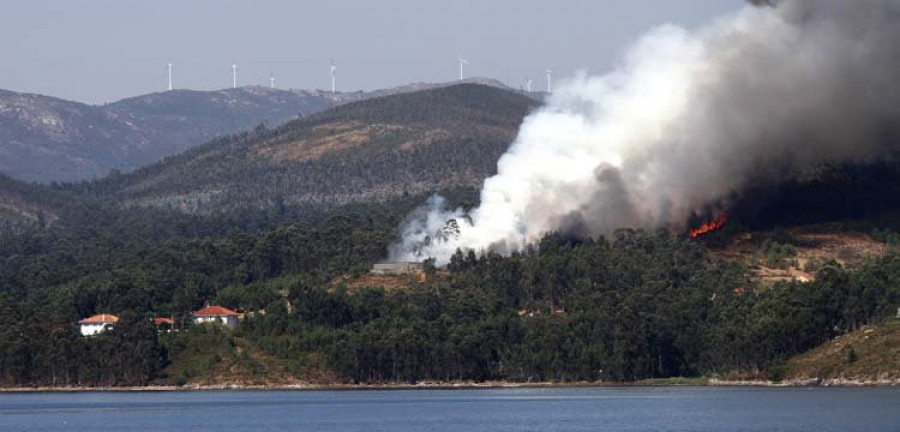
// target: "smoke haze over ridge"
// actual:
[[687, 121]]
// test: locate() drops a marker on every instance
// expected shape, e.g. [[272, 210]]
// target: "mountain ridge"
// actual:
[[446, 137], [47, 139]]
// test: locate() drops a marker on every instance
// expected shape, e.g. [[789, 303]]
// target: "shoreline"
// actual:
[[699, 382]]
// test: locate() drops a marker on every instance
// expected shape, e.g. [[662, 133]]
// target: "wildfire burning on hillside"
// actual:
[[689, 120], [710, 226]]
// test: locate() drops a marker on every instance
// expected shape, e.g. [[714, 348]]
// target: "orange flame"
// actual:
[[709, 226]]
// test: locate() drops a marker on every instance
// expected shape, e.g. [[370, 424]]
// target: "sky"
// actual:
[[100, 51]]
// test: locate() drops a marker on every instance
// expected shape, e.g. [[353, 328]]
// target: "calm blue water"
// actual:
[[607, 409]]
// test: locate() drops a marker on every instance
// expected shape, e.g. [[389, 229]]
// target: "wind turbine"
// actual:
[[528, 84], [169, 67], [549, 80], [233, 74], [462, 62], [333, 68], [271, 80]]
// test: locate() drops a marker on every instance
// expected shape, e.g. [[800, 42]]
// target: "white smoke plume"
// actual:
[[687, 121]]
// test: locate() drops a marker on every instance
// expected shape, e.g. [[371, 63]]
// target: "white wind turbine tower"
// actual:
[[271, 80], [462, 62], [333, 68], [169, 67], [549, 80], [528, 84], [233, 74]]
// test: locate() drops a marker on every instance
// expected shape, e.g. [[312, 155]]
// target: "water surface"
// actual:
[[567, 409]]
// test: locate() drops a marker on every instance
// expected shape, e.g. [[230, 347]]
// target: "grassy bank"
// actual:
[[868, 355]]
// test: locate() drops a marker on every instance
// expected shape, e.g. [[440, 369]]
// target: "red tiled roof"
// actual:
[[162, 320], [100, 319], [214, 310]]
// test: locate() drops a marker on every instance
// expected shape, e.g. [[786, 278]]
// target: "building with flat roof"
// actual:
[[396, 268]]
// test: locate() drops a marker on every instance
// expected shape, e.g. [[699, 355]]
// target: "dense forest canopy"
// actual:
[[639, 305]]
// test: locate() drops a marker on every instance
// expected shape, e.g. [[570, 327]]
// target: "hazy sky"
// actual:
[[100, 51]]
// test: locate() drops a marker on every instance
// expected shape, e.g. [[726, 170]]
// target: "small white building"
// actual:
[[216, 315], [97, 324], [391, 268]]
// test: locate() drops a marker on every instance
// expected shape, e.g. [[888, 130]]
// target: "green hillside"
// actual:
[[869, 355], [26, 206], [374, 150], [288, 221]]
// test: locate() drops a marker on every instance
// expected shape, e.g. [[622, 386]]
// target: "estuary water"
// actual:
[[545, 409]]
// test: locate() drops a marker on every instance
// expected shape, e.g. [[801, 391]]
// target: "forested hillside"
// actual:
[[633, 307], [26, 206], [294, 215], [372, 150]]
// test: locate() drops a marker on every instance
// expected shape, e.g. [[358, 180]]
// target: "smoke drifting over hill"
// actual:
[[687, 121]]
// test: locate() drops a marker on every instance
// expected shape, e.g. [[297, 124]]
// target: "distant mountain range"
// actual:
[[377, 149], [47, 139], [399, 146]]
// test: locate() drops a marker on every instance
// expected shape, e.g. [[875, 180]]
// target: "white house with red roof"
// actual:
[[216, 315], [97, 324]]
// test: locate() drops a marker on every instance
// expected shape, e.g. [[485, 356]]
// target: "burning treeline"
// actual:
[[688, 121], [709, 227]]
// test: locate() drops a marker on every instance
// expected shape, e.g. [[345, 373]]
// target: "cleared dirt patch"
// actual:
[[334, 137], [425, 139], [810, 246], [388, 282]]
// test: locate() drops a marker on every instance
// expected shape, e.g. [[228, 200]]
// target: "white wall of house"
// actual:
[[226, 320], [94, 328]]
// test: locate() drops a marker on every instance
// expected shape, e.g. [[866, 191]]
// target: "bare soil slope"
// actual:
[[869, 355], [796, 253]]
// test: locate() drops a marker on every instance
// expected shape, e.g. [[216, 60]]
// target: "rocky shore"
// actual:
[[811, 382]]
